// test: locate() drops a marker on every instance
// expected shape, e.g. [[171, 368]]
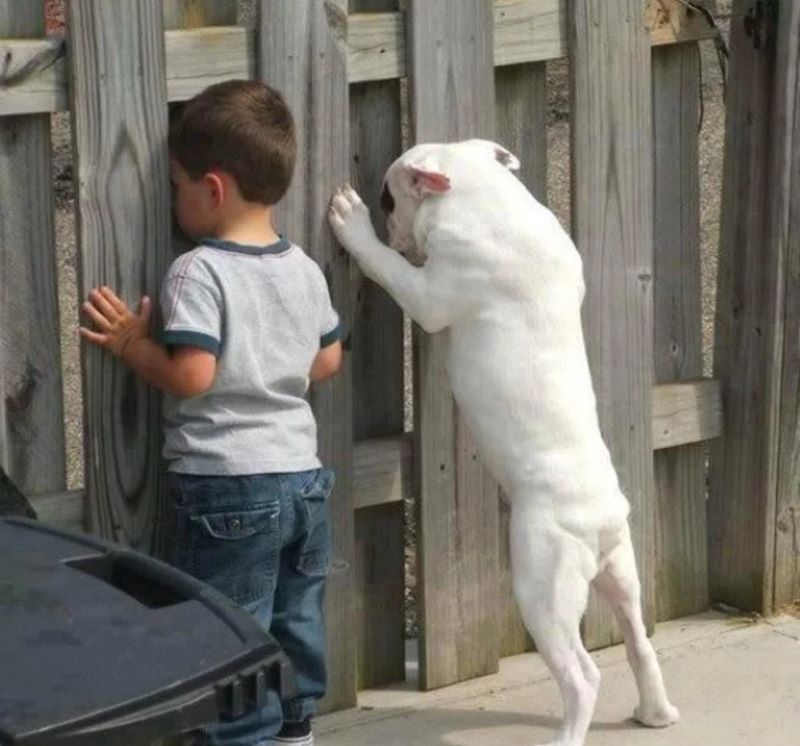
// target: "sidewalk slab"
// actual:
[[735, 681]]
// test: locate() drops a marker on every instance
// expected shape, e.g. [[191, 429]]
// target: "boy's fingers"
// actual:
[[96, 316], [145, 309], [101, 304], [113, 300], [98, 339]]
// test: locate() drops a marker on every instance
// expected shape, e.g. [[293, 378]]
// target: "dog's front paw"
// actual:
[[349, 218]]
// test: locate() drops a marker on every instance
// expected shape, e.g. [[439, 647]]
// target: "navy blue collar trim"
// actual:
[[274, 248]]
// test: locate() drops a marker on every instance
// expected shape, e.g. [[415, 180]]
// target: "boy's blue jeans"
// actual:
[[264, 541]]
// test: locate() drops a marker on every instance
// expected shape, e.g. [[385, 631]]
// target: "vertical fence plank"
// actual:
[[302, 53], [378, 410], [31, 399], [452, 92], [613, 221], [681, 569], [741, 509], [521, 92], [784, 233], [184, 14], [119, 105]]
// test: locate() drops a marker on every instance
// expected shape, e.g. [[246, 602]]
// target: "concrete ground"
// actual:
[[736, 682]]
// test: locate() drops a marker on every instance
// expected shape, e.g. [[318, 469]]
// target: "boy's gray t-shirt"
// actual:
[[265, 312]]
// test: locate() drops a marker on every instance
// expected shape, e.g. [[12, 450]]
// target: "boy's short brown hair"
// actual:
[[243, 127]]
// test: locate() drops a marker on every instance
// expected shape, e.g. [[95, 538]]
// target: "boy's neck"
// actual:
[[248, 224]]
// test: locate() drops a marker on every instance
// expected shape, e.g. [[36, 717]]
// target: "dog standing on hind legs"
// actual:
[[475, 257]]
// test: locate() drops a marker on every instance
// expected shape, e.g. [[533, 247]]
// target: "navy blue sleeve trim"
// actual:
[[192, 339], [326, 340]]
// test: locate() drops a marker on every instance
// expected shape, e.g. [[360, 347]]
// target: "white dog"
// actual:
[[493, 270]]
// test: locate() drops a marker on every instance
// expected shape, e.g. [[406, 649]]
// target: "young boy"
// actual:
[[247, 322]]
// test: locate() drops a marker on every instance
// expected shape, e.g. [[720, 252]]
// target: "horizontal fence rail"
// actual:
[[35, 74]]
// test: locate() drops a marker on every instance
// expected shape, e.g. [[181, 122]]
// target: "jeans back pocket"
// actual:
[[234, 525], [236, 552], [314, 557]]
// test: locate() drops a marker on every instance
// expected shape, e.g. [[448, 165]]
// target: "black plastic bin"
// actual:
[[100, 645]]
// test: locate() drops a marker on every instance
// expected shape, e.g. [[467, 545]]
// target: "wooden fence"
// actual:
[[473, 68]]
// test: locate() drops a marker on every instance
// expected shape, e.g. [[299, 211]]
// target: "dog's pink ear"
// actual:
[[425, 181]]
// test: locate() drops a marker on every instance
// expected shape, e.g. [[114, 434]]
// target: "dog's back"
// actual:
[[517, 361]]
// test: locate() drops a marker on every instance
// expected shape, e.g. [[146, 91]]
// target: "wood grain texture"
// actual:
[[784, 232], [31, 408], [378, 407], [527, 31], [686, 413], [382, 471], [34, 76], [524, 31], [452, 97], [673, 22], [377, 46], [521, 94], [681, 548], [21, 19], [612, 185], [749, 329], [195, 60], [198, 13], [61, 509], [119, 131], [302, 53], [381, 475], [199, 58]]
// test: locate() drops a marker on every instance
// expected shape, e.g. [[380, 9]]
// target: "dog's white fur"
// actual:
[[493, 270]]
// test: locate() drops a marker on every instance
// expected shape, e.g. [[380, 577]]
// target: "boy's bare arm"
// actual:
[[186, 372], [327, 362]]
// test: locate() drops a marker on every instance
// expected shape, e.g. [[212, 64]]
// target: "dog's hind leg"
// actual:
[[551, 572], [618, 583]]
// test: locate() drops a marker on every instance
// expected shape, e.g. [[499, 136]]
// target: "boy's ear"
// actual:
[[216, 186]]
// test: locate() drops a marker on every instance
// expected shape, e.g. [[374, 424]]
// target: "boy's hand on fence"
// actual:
[[118, 328]]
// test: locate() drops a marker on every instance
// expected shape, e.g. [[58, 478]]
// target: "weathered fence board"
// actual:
[[784, 232], [301, 54], [378, 407], [524, 31], [749, 329], [521, 92], [123, 240], [62, 509], [198, 13], [529, 31], [178, 15], [31, 409], [613, 223], [686, 412], [452, 97], [681, 566]]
